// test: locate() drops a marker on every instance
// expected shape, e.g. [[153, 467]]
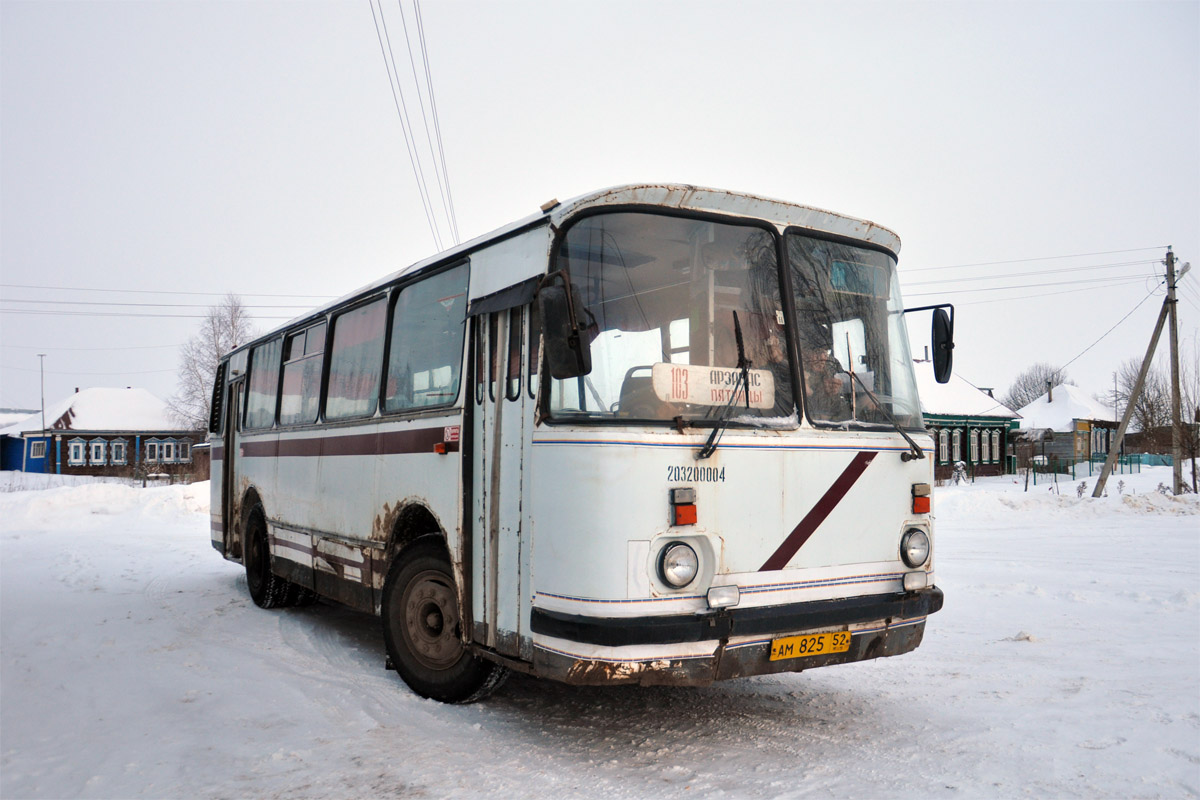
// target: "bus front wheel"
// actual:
[[422, 628]]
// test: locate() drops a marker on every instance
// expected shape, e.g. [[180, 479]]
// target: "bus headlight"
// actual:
[[678, 565], [914, 547]]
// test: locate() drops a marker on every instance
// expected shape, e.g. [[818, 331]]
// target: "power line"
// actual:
[[398, 100], [1035, 272], [425, 118], [1049, 294], [1029, 286], [136, 305], [72, 372], [88, 349], [48, 312], [1040, 258], [1113, 328], [156, 291], [437, 127]]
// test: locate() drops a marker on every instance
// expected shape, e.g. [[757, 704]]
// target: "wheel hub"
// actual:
[[431, 621]]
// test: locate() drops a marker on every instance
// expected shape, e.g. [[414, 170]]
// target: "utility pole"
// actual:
[[1176, 422], [1114, 449], [42, 370]]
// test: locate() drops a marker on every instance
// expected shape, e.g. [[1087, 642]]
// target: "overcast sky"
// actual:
[[255, 147]]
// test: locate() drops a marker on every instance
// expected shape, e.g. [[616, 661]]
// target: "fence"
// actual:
[[1050, 466]]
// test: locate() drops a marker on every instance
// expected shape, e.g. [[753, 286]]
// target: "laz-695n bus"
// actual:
[[656, 434]]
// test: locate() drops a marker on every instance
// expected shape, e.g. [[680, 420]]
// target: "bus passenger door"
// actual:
[[233, 403], [499, 431]]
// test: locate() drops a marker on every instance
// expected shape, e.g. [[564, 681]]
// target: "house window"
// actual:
[[943, 446], [152, 453], [184, 451], [995, 445], [167, 451], [96, 450], [37, 449], [76, 454], [974, 447], [117, 451], [987, 449], [957, 445]]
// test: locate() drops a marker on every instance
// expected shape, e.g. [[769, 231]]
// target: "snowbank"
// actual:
[[1064, 664], [998, 498]]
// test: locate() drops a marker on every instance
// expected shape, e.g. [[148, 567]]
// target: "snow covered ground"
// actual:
[[1066, 663]]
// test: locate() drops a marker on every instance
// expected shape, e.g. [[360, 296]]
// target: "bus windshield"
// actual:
[[852, 339], [684, 317]]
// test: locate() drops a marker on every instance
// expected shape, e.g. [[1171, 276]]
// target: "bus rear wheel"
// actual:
[[422, 629], [267, 589]]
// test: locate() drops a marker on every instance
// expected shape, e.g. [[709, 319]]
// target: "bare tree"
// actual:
[[1031, 384], [1153, 407], [226, 326]]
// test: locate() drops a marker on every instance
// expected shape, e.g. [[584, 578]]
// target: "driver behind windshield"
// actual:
[[823, 374]]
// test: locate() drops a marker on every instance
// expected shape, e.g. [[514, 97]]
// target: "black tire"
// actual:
[[267, 589], [300, 595], [422, 628]]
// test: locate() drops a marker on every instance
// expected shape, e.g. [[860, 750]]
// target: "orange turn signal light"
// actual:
[[440, 448], [685, 514], [920, 505]]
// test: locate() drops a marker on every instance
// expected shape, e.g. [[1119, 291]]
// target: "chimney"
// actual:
[[1049, 392], [926, 352], [76, 390]]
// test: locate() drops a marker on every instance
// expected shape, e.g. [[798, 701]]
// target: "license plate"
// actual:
[[815, 644]]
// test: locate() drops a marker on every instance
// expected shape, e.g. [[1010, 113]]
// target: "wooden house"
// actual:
[[1064, 427], [99, 431], [967, 425]]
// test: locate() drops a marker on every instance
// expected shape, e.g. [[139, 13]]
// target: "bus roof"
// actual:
[[696, 198], [661, 195]]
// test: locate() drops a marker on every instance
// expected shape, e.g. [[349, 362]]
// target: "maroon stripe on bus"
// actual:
[[363, 444], [299, 548], [813, 519]]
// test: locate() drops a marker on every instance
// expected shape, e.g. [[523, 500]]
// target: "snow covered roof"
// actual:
[[10, 415], [100, 409], [956, 397], [1070, 403]]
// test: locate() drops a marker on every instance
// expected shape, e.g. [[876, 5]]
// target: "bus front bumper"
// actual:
[[880, 626]]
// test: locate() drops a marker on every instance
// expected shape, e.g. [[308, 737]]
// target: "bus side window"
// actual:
[[425, 361], [264, 385], [513, 378], [301, 393], [356, 361], [535, 352]]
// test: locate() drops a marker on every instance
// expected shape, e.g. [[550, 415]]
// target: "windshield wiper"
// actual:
[[916, 452], [743, 381]]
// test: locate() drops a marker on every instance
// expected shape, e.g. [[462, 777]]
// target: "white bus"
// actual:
[[656, 434]]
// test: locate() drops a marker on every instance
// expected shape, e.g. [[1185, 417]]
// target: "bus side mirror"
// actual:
[[568, 352], [943, 345]]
